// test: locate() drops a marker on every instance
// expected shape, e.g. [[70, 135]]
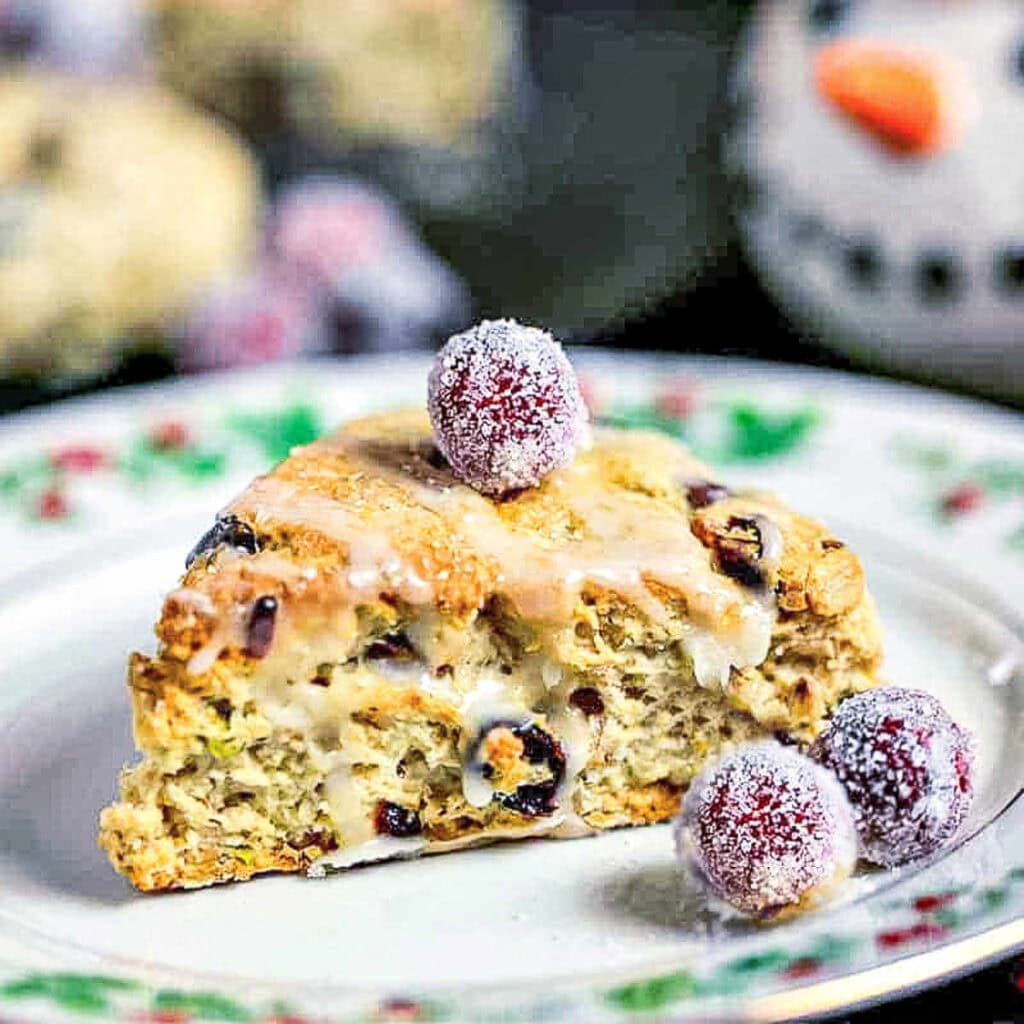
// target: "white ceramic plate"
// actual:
[[101, 498]]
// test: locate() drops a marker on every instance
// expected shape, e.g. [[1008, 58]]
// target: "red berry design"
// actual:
[[929, 904], [805, 967], [677, 398], [52, 505], [170, 436], [767, 829], [962, 499], [79, 458], [923, 930], [505, 405], [906, 767]]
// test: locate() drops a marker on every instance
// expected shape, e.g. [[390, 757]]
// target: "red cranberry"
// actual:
[[702, 493], [393, 820], [262, 621], [906, 767], [323, 228], [587, 700], [531, 799], [227, 530], [391, 647], [258, 319], [767, 829], [505, 405], [739, 551]]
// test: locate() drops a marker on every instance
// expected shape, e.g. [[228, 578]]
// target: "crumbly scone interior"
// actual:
[[379, 724]]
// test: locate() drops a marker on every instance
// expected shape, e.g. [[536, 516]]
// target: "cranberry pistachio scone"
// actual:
[[94, 176], [367, 657]]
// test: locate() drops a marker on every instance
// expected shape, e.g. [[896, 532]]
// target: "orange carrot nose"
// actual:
[[895, 95]]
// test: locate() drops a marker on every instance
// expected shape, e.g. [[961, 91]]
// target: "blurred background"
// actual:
[[187, 185], [190, 185]]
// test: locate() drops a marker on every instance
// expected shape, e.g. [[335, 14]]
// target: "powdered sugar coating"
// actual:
[[906, 767], [256, 319], [768, 829], [505, 405]]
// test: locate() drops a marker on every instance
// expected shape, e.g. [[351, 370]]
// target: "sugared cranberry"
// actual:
[[702, 493], [227, 530], [323, 228], [767, 829], [393, 820], [906, 767], [262, 622], [257, 319], [505, 405], [587, 700]]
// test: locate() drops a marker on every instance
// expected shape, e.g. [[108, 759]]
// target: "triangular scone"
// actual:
[[366, 658]]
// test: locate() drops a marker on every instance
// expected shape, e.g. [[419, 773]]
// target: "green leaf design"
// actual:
[[947, 917], [142, 462], [642, 417], [14, 478], [654, 993], [196, 464], [926, 455], [769, 960], [278, 433], [994, 897], [207, 1005], [81, 993], [998, 476], [756, 433], [833, 948]]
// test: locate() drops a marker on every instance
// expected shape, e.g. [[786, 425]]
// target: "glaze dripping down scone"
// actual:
[[366, 658]]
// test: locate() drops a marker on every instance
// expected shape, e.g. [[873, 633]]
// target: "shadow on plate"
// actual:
[[52, 799]]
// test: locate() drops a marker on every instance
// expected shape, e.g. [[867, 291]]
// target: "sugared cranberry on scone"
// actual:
[[769, 830], [505, 406], [907, 769]]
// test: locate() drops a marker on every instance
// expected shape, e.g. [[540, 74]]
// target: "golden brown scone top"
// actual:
[[375, 503]]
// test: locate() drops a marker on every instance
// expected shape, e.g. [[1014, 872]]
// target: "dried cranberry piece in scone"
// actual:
[[768, 830], [227, 531], [393, 820], [906, 767], [523, 763], [505, 405]]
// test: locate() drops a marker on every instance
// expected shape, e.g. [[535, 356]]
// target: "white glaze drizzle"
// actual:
[[623, 544]]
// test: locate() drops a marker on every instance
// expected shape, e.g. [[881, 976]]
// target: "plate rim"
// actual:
[[948, 957]]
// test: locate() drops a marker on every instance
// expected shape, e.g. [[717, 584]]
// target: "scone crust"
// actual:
[[826, 641]]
